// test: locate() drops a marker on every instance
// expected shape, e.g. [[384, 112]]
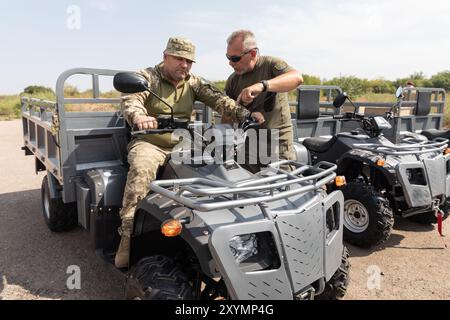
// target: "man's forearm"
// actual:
[[285, 82], [131, 108]]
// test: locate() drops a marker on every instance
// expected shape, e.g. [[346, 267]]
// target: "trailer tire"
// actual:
[[368, 218], [429, 217], [58, 215], [158, 278], [336, 287]]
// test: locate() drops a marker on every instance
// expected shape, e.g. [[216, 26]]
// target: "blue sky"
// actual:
[[371, 39]]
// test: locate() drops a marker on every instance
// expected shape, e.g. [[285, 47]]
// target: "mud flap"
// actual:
[[416, 195], [436, 170], [334, 245], [447, 175]]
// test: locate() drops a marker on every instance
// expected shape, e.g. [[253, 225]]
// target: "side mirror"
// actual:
[[339, 100], [399, 93], [130, 82]]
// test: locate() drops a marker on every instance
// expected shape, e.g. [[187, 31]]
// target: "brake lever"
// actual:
[[249, 123]]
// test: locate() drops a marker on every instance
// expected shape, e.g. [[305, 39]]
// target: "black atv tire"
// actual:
[[427, 218], [58, 215], [380, 218], [158, 278], [336, 287]]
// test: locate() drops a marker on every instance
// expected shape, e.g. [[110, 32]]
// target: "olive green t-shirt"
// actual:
[[274, 106]]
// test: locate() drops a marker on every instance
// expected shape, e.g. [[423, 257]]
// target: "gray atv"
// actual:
[[210, 229], [383, 178], [426, 137]]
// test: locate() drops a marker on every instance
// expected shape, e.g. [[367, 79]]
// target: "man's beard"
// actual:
[[178, 75]]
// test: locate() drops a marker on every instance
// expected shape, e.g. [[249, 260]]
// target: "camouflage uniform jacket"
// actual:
[[182, 98]]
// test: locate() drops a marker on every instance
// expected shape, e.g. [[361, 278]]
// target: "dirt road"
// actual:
[[413, 264]]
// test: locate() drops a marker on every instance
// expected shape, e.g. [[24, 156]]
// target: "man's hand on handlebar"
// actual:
[[258, 116], [146, 123]]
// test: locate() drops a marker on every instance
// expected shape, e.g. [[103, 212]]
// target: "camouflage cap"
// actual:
[[181, 47]]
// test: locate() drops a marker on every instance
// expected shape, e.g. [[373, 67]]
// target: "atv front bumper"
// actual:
[[425, 181]]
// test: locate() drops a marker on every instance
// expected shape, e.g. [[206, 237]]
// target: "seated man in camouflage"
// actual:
[[171, 80]]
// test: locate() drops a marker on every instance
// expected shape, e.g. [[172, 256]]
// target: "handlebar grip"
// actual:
[[151, 131]]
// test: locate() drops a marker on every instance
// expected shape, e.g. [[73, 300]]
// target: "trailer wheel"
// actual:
[[336, 287], [368, 218], [430, 217], [58, 215], [158, 278]]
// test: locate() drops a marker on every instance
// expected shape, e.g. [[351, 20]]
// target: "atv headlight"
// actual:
[[244, 247]]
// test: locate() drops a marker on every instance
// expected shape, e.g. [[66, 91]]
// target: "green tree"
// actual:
[[311, 80], [32, 90], [352, 85], [380, 86], [418, 78], [71, 91], [441, 80]]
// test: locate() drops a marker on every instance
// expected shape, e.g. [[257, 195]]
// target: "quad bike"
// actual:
[[383, 179], [424, 137], [209, 229]]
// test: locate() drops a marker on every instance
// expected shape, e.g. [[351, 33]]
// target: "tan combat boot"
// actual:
[[123, 253]]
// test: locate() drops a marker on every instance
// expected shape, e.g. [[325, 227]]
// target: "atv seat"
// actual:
[[434, 133], [319, 144]]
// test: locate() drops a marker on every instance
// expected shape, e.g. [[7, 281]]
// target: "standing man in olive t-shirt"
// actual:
[[261, 84]]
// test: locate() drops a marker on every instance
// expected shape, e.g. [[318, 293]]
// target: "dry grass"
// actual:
[[10, 105], [377, 97], [447, 114], [92, 107]]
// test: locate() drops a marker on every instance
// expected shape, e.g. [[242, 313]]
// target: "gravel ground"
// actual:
[[413, 264]]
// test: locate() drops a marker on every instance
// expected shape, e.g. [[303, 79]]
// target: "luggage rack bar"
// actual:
[[259, 191], [37, 109], [438, 144], [28, 102]]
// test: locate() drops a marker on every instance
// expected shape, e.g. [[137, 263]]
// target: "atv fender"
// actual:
[[348, 161], [148, 240]]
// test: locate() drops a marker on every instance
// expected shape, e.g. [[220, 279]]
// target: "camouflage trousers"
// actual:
[[144, 159], [285, 150]]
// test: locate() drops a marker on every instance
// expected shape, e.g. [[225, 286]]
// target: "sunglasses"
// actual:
[[238, 58]]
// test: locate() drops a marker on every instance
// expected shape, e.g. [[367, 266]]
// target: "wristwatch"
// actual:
[[265, 85]]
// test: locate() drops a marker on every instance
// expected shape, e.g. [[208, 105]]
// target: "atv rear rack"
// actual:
[[207, 195], [437, 145]]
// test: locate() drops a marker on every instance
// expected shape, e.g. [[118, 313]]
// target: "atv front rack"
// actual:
[[408, 148], [207, 195]]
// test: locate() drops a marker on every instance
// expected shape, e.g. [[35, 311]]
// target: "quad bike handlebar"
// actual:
[[166, 125]]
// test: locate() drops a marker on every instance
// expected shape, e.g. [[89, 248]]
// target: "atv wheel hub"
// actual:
[[356, 216]]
